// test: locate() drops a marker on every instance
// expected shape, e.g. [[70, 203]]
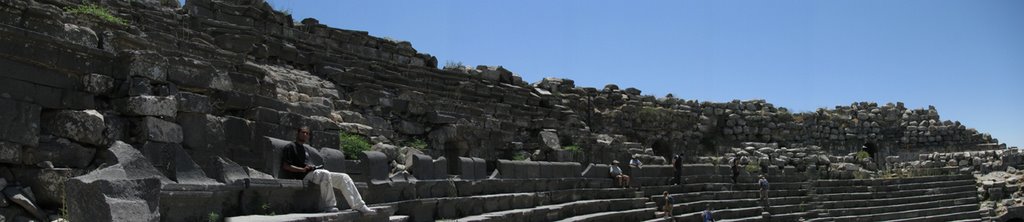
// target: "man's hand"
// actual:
[[308, 168]]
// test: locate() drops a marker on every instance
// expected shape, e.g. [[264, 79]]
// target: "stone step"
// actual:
[[615, 216], [777, 202], [398, 218], [902, 193], [727, 195], [878, 182], [899, 207], [560, 211], [974, 216], [907, 214], [775, 217], [429, 209], [897, 200], [893, 187], [727, 178], [696, 187], [383, 214]]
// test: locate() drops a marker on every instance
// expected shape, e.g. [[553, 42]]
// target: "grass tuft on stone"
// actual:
[[97, 11]]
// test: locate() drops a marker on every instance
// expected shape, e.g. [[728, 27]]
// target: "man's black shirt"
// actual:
[[293, 154]]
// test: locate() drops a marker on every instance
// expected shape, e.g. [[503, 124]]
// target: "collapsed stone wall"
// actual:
[[210, 78]]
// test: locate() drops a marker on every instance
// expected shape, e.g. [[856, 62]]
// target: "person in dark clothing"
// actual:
[[763, 184], [735, 169], [677, 167], [295, 163]]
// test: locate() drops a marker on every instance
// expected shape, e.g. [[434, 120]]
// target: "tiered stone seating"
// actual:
[[707, 185], [932, 198]]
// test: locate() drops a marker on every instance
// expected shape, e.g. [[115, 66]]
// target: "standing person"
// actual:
[[763, 183], [668, 205], [735, 169], [295, 163], [706, 214], [677, 167], [621, 180]]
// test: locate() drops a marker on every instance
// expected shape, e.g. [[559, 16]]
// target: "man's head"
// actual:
[[302, 135]]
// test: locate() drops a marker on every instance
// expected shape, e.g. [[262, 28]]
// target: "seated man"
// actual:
[[621, 180], [295, 162]]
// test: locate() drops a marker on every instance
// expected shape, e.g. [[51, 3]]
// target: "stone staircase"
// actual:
[[932, 198], [793, 197]]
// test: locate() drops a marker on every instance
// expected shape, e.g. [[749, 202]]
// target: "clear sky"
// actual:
[[964, 57]]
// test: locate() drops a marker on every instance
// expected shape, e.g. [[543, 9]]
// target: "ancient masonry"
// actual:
[[147, 110]]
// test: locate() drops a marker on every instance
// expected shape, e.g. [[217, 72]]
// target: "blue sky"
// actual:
[[964, 57]]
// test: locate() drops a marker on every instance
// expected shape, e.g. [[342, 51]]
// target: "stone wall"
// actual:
[[212, 78]]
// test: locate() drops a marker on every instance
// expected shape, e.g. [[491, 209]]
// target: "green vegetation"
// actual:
[[753, 167], [266, 209], [213, 217], [862, 154], [352, 144], [519, 156], [97, 11], [417, 144], [573, 148]]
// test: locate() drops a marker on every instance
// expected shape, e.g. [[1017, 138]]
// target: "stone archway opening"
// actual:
[[1015, 220]]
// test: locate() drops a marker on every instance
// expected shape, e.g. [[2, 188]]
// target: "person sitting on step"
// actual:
[[296, 165], [621, 179]]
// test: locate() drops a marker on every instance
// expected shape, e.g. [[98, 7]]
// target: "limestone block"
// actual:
[[423, 167], [164, 106], [154, 129], [193, 103], [97, 84], [16, 195], [333, 159], [10, 153], [81, 126], [108, 195], [202, 132], [20, 122], [60, 152], [146, 64], [376, 166]]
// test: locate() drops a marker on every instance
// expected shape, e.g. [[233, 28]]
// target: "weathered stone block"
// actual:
[[108, 195], [20, 122], [376, 166], [60, 152], [154, 129], [193, 103], [146, 64], [97, 84], [202, 132], [10, 152], [150, 106], [82, 126]]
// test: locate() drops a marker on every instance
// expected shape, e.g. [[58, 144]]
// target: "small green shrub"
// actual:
[[573, 148], [862, 154], [753, 167], [417, 144], [213, 217], [519, 156], [352, 144], [98, 11]]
